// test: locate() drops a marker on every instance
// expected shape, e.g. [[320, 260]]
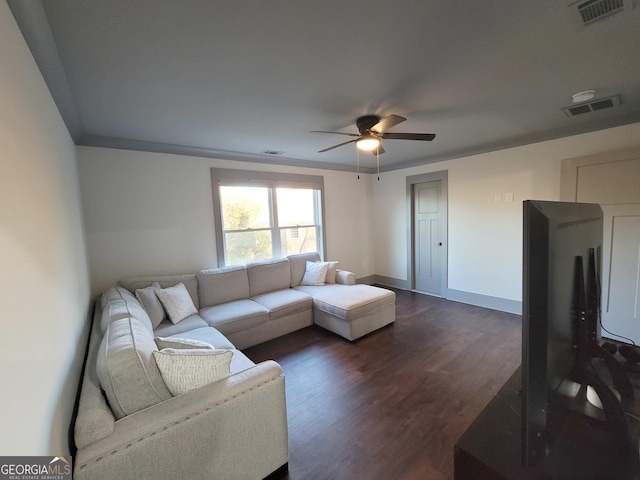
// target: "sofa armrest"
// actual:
[[344, 277], [94, 420], [233, 428]]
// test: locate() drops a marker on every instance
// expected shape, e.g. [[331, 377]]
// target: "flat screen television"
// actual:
[[562, 244]]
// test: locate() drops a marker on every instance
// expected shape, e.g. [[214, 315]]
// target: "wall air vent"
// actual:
[[593, 10], [591, 107]]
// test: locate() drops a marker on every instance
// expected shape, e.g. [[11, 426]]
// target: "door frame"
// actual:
[[610, 212], [412, 180], [570, 192]]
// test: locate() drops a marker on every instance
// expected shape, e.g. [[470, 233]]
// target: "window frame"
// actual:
[[272, 180]]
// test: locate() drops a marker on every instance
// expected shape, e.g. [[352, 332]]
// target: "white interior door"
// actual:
[[612, 179], [621, 272], [427, 222]]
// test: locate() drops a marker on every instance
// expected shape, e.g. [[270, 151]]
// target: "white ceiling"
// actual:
[[232, 79]]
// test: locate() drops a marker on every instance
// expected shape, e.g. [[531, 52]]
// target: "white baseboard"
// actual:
[[486, 301]]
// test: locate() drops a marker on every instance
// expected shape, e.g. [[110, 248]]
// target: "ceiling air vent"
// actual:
[[272, 152], [594, 10], [593, 106]]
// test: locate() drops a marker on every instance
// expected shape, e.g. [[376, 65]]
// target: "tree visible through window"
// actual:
[[246, 224], [261, 222]]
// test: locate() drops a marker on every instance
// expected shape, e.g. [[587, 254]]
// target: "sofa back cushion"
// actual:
[[126, 368], [222, 285], [190, 281], [298, 264], [268, 276], [119, 303]]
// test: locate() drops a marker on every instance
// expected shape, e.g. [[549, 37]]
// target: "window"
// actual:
[[262, 215]]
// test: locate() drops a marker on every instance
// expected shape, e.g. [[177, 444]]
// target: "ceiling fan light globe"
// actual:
[[368, 143]]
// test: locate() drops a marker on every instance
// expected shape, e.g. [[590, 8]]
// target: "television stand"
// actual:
[[491, 446], [621, 380]]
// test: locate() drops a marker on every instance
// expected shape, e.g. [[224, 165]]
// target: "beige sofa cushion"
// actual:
[[284, 302], [221, 285], [127, 370], [166, 328], [207, 335], [235, 316], [240, 362], [349, 301], [268, 276], [182, 343], [119, 303]]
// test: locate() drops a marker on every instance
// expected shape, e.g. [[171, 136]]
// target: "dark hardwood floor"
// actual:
[[392, 404]]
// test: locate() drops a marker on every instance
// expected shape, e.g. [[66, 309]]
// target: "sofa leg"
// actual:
[[280, 473]]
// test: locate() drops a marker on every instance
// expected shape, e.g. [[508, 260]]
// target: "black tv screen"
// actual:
[[558, 240]]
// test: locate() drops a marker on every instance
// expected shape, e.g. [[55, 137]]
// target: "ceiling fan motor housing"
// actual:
[[373, 128], [366, 122]]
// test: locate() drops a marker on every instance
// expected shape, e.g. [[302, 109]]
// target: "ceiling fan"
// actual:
[[373, 129]]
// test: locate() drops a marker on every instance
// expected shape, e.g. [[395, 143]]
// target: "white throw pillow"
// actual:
[[186, 370], [315, 273], [331, 272], [177, 302], [151, 303], [182, 343]]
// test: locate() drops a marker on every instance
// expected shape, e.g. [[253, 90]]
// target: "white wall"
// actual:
[[485, 237], [44, 289], [149, 213]]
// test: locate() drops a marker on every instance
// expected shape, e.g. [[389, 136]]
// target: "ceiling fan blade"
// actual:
[[387, 122], [409, 136], [337, 133], [335, 146]]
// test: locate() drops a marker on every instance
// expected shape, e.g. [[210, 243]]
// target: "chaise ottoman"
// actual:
[[351, 311]]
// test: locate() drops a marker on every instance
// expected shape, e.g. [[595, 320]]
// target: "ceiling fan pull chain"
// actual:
[[358, 161], [378, 160]]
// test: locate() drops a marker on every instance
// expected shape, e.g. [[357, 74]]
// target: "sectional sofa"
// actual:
[[166, 391]]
